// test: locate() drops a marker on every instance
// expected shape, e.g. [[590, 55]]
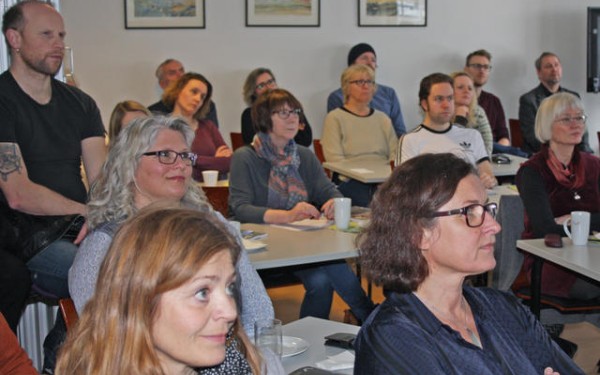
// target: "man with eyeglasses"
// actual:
[[47, 128], [385, 98], [478, 65], [549, 72], [168, 72], [438, 135]]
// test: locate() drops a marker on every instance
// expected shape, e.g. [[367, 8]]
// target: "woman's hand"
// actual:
[[328, 209], [223, 152], [488, 181], [561, 219], [303, 211], [461, 110], [550, 371]]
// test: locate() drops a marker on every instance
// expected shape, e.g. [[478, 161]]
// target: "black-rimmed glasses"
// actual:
[[284, 114], [474, 213], [362, 82], [485, 67], [170, 156]]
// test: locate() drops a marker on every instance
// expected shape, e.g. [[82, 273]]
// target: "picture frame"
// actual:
[[160, 14], [395, 13], [283, 13]]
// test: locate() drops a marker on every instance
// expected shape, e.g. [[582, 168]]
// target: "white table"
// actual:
[[581, 259], [366, 171], [505, 170], [314, 330], [290, 248], [377, 171]]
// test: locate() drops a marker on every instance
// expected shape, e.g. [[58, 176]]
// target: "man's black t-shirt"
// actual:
[[49, 135]]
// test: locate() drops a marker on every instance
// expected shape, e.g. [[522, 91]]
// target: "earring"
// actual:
[[17, 50]]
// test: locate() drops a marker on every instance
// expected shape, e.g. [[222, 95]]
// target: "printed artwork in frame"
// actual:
[[304, 13], [164, 14], [392, 12]]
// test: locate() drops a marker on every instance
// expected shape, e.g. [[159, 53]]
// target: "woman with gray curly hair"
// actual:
[[151, 162]]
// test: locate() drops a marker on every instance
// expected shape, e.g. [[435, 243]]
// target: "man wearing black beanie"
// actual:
[[385, 98]]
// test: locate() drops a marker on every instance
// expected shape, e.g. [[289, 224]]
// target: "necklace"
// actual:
[[474, 339], [576, 196]]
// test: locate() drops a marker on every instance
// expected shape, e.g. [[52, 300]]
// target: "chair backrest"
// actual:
[[236, 140], [68, 311], [218, 197], [516, 138], [508, 259], [320, 155]]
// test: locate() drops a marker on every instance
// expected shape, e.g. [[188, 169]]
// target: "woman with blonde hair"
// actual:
[[151, 162], [123, 113], [467, 112], [164, 303]]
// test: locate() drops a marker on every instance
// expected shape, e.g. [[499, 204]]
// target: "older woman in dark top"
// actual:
[[259, 81], [557, 180], [431, 228]]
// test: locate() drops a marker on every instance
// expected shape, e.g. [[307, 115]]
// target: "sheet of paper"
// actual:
[[361, 170]]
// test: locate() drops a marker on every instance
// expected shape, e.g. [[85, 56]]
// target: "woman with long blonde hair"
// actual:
[[164, 302]]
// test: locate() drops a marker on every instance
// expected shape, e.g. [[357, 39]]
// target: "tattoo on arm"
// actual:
[[10, 160]]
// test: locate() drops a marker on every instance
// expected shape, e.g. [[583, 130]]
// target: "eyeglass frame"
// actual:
[[463, 211], [485, 67], [191, 156], [266, 83], [362, 82], [567, 120], [285, 114]]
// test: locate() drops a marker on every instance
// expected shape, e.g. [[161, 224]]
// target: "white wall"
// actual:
[[113, 64]]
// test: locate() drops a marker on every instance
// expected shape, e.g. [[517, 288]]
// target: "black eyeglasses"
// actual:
[[474, 213], [284, 114], [264, 84], [170, 157], [363, 82], [481, 67]]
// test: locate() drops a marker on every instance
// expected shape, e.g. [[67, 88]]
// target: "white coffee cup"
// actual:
[[210, 178], [268, 335], [580, 227], [342, 207]]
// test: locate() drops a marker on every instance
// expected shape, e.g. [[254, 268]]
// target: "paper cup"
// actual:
[[210, 178]]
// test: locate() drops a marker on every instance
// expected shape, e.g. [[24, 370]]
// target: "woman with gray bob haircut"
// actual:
[[151, 162]]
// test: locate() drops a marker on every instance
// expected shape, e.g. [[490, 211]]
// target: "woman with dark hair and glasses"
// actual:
[[259, 81], [432, 227], [356, 131], [557, 180], [275, 181]]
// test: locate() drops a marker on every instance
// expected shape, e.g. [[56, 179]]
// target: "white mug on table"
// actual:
[[342, 208], [580, 227]]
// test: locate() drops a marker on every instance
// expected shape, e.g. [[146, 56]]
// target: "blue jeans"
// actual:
[[360, 193], [320, 282], [50, 267]]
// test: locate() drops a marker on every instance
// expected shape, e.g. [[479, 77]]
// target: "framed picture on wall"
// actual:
[[304, 13], [159, 14], [392, 12]]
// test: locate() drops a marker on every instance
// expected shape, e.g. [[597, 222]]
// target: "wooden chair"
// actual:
[[68, 311], [218, 197], [236, 140], [516, 137], [320, 155]]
